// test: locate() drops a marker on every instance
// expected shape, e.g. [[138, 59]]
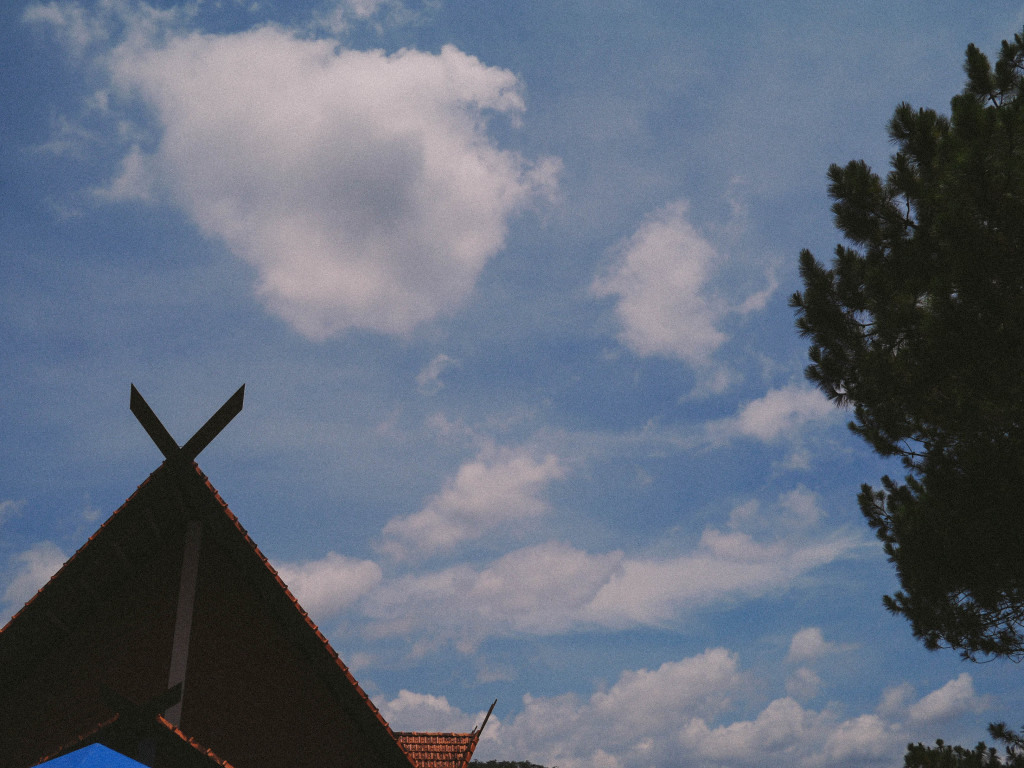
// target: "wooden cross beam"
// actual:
[[142, 713], [178, 460], [135, 722], [187, 453]]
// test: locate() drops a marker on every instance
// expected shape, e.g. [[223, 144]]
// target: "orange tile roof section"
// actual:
[[208, 753], [439, 750]]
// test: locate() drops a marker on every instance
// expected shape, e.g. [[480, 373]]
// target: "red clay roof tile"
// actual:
[[438, 750]]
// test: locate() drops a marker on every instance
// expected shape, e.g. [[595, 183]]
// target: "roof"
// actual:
[[93, 643], [136, 533], [439, 750]]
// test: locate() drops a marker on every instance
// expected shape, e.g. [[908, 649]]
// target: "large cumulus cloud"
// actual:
[[364, 189]]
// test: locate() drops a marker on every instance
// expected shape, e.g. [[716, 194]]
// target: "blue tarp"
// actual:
[[93, 756]]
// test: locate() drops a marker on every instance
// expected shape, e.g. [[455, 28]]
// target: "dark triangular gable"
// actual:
[[262, 686]]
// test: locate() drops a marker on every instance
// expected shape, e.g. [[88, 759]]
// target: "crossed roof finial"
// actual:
[[187, 453]]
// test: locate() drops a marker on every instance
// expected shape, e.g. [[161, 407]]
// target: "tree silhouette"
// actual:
[[918, 326]]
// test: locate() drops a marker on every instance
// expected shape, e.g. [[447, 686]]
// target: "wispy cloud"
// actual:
[[724, 566], [326, 586], [662, 278], [31, 569], [428, 381], [553, 588], [9, 508], [496, 489], [340, 16], [78, 28]]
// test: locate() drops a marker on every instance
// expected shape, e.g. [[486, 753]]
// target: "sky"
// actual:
[[507, 285]]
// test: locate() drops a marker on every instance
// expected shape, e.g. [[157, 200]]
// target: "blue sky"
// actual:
[[506, 282]]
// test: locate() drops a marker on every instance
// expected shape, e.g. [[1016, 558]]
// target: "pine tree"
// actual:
[[982, 756], [918, 326]]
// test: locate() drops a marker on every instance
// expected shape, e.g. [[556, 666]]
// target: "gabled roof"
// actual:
[[439, 750], [171, 603], [138, 549]]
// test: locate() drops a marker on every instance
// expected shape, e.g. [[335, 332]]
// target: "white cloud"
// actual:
[[678, 714], [725, 566], [363, 188], [954, 698], [662, 278], [495, 489], [33, 568], [697, 684], [554, 588], [362, 9], [411, 711], [800, 508], [536, 590], [326, 586], [658, 276], [865, 737], [781, 727], [787, 734], [682, 713], [779, 413], [627, 724], [808, 645]]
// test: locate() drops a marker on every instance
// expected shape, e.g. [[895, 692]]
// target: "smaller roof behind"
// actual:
[[439, 750]]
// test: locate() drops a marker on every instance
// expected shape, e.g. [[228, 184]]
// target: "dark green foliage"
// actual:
[[944, 756], [505, 764], [982, 756], [918, 326]]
